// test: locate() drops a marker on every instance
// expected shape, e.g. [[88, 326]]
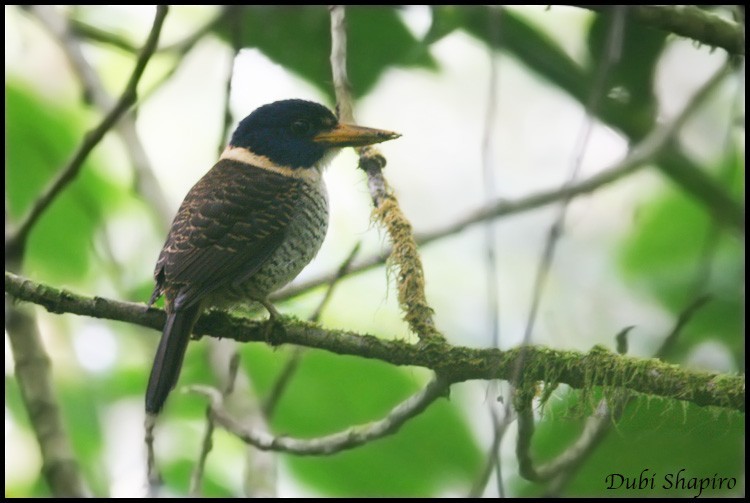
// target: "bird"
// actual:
[[250, 225]]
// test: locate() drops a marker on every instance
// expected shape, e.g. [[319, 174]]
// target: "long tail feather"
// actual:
[[169, 356]]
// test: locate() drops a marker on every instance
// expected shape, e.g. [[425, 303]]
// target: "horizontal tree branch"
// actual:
[[598, 367]]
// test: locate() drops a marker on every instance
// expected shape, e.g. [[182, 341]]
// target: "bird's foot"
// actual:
[[274, 331]]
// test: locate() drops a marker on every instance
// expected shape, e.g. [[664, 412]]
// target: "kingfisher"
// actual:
[[250, 225]]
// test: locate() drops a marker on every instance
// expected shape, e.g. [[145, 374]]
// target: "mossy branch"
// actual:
[[598, 367], [688, 21], [404, 256]]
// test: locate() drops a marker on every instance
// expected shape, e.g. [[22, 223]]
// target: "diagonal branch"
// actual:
[[647, 150], [95, 92], [92, 138], [560, 70]]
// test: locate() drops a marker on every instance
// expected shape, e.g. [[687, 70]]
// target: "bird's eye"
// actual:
[[301, 127]]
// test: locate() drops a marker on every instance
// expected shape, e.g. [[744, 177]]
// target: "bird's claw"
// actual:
[[274, 331]]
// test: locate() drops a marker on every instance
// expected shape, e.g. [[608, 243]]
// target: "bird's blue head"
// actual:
[[299, 133]]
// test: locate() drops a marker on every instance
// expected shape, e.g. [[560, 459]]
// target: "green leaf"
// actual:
[[379, 40], [299, 38], [445, 20]]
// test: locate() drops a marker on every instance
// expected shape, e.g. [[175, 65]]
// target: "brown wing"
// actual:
[[230, 222]]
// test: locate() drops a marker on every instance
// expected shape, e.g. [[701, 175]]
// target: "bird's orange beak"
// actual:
[[347, 135]]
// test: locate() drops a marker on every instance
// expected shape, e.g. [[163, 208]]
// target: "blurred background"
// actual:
[[491, 104]]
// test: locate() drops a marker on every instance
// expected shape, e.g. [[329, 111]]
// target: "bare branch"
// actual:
[[337, 442], [33, 372], [94, 91], [179, 48]]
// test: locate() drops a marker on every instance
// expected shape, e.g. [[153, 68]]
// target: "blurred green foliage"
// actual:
[[673, 244], [659, 435], [42, 138], [678, 253]]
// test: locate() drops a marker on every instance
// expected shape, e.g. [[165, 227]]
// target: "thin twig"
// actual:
[[234, 22], [405, 256], [95, 34], [340, 273], [180, 51], [685, 316], [499, 422], [196, 478], [611, 55]]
